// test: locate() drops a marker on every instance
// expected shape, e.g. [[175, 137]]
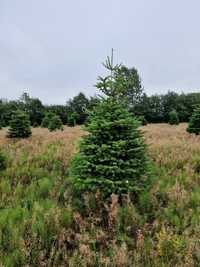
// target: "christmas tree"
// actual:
[[194, 123], [46, 120], [112, 157], [19, 125], [55, 124], [173, 118], [71, 120]]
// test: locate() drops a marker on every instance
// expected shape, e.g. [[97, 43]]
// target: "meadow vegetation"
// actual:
[[44, 223]]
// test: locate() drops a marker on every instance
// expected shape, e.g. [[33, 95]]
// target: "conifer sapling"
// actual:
[[112, 156], [19, 125], [173, 118], [71, 120], [194, 123], [55, 124], [46, 120]]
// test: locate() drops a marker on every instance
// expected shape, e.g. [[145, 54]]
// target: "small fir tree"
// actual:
[[19, 125], [71, 121], [46, 120], [112, 156], [194, 123], [173, 118], [55, 124]]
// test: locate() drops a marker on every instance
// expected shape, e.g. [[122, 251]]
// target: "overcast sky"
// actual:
[[53, 49]]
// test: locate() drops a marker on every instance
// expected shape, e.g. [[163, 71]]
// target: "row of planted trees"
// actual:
[[20, 126], [20, 121], [36, 111]]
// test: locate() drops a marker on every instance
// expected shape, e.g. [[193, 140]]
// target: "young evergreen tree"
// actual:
[[173, 118], [194, 123], [112, 156], [71, 121], [46, 120], [19, 125], [55, 124]]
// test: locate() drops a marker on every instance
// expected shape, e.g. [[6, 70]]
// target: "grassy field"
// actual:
[[41, 224]]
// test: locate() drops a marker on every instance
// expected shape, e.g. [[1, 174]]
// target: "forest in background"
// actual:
[[155, 108]]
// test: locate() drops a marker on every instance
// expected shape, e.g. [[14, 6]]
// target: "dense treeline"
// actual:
[[36, 111], [155, 108]]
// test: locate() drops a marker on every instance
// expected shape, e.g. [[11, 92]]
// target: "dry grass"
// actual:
[[42, 136], [158, 136], [172, 145], [161, 134], [39, 143]]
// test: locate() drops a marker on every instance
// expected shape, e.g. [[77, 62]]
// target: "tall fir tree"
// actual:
[[112, 156], [19, 125], [194, 123]]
